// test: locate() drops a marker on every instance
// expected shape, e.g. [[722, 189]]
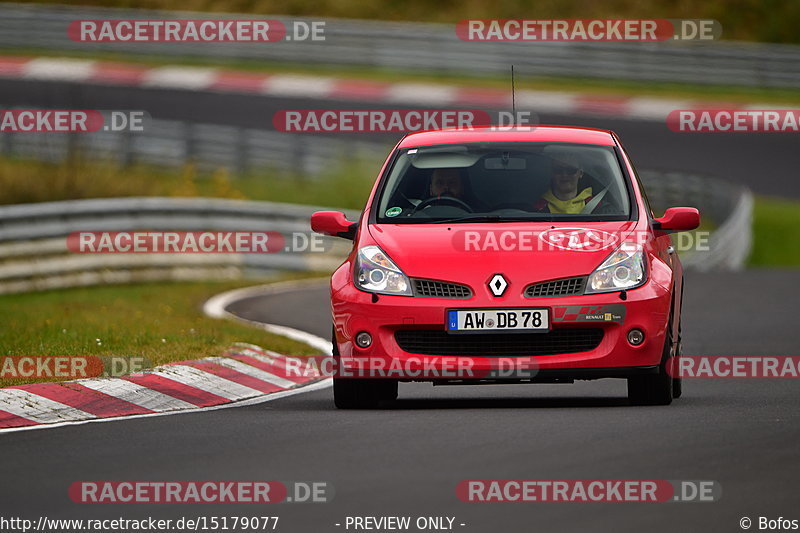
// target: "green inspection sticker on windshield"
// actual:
[[393, 211]]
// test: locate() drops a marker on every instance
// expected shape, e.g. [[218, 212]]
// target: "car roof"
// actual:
[[566, 134]]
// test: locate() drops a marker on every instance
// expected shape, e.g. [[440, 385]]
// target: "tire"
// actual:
[[655, 389], [677, 383], [677, 388], [349, 393]]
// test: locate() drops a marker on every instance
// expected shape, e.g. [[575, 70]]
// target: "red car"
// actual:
[[526, 248]]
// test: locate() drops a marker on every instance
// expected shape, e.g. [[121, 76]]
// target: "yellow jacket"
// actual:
[[571, 207]]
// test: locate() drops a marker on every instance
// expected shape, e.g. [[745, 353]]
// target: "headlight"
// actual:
[[624, 269], [375, 272]]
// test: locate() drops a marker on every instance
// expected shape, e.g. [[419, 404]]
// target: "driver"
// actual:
[[447, 182], [453, 184]]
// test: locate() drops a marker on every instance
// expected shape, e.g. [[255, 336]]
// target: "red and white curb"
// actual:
[[244, 375], [333, 88]]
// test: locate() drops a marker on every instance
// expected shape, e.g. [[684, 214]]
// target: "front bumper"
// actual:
[[645, 308]]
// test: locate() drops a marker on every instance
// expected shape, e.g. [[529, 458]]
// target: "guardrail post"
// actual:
[[189, 147], [242, 163], [125, 158], [6, 143]]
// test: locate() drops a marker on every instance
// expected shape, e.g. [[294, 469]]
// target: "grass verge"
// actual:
[[776, 233], [161, 322], [754, 20], [22, 181]]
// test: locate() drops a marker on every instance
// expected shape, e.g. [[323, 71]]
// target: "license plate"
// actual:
[[473, 320]]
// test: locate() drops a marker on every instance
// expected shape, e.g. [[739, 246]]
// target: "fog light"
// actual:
[[363, 339], [636, 337]]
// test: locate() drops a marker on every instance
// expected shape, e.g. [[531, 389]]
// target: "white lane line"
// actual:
[[38, 408], [45, 68], [193, 78], [215, 307], [252, 371], [135, 394], [205, 381], [301, 336]]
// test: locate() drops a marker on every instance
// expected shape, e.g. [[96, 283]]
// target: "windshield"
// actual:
[[504, 182]]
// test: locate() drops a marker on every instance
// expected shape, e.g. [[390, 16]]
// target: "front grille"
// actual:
[[558, 287], [440, 289], [556, 341]]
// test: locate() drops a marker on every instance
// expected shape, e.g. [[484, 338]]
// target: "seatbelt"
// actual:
[[591, 204]]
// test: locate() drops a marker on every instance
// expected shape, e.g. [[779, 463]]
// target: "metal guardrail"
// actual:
[[430, 47], [728, 207], [34, 254], [173, 143]]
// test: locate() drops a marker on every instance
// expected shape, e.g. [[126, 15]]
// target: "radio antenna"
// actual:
[[513, 96]]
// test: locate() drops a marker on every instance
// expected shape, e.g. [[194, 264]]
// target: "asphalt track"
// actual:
[[769, 163], [408, 460]]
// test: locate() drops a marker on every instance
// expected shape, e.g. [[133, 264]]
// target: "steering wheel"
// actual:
[[446, 200]]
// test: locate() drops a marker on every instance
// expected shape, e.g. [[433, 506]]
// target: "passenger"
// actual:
[[563, 195]]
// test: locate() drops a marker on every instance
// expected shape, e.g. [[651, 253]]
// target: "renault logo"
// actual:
[[498, 284]]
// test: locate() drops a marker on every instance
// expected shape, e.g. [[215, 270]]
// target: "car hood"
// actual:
[[523, 252]]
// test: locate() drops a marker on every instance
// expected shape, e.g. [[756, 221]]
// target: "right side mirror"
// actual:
[[678, 219]]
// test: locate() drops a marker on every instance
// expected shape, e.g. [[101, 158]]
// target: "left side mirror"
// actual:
[[678, 219], [333, 223]]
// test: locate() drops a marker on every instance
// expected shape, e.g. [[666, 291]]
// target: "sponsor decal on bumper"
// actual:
[[589, 313]]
